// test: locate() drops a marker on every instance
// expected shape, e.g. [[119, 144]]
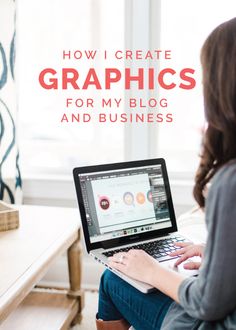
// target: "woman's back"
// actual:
[[208, 301]]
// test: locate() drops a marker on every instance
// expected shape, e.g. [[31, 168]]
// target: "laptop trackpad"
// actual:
[[180, 269]]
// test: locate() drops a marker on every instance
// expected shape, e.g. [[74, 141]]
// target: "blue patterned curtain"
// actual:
[[10, 178]]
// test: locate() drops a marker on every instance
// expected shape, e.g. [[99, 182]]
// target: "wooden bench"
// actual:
[[26, 254]]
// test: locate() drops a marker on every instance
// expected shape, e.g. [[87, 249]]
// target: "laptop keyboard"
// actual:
[[157, 249]]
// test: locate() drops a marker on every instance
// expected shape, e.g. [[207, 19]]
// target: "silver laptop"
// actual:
[[127, 205]]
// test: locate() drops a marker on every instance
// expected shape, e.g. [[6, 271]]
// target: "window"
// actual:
[[184, 28], [45, 28]]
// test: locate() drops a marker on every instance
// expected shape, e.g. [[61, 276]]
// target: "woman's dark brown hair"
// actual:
[[218, 59]]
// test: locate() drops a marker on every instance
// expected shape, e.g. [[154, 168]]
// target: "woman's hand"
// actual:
[[186, 251], [135, 263]]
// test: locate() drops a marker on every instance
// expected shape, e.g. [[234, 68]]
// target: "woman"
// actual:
[[209, 300]]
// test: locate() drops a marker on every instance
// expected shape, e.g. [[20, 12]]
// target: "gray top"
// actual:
[[208, 301]]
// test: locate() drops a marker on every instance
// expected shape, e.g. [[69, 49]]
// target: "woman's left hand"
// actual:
[[135, 263]]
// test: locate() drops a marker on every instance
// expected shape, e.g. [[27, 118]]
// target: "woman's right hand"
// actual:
[[188, 250]]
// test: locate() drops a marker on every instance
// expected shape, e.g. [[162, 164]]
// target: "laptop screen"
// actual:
[[124, 202]]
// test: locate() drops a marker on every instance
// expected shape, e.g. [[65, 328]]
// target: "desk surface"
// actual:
[[27, 253]]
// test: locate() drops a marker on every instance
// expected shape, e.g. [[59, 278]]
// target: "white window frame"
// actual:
[[137, 14]]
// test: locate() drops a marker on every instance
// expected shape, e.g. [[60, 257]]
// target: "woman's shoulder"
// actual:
[[223, 185], [222, 196], [225, 176]]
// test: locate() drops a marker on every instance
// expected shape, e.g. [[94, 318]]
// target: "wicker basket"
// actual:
[[9, 217]]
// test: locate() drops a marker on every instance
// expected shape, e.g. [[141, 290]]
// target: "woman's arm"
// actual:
[[167, 281]]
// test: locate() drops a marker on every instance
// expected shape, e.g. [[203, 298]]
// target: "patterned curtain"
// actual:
[[10, 178]]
